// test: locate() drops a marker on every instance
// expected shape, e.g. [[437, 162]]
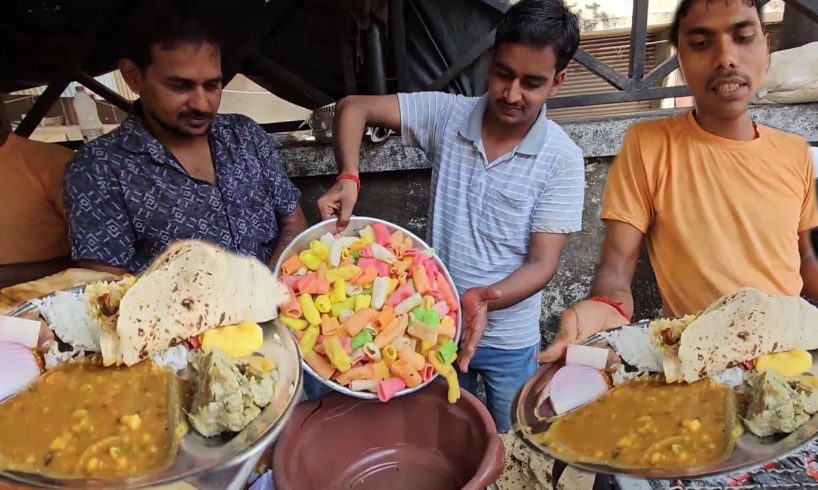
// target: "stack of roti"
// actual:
[[737, 328], [192, 287]]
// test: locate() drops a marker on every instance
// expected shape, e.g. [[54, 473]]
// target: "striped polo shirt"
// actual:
[[482, 213]]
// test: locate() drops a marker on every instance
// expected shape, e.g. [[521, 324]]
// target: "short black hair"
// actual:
[[541, 23], [684, 7], [166, 23]]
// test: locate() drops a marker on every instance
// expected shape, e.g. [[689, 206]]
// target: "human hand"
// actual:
[[339, 201], [579, 322], [474, 304]]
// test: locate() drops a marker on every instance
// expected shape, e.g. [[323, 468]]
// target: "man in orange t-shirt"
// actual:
[[33, 229], [721, 202]]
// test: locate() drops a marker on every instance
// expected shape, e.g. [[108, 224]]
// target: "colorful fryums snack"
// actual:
[[372, 312]]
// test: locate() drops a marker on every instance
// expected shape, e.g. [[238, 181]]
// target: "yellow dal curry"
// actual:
[[81, 419], [648, 423]]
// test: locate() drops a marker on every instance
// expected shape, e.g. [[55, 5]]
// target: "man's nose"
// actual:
[[513, 93], [726, 52], [198, 100]]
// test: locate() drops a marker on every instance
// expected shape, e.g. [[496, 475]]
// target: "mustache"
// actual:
[[195, 114], [727, 74], [503, 102]]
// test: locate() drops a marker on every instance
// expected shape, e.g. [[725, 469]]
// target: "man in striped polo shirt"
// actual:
[[507, 187]]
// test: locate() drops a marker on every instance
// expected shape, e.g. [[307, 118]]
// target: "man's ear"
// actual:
[[132, 75], [559, 78]]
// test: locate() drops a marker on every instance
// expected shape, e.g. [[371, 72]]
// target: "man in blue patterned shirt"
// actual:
[[175, 169]]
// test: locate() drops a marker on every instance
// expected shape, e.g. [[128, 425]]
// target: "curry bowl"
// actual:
[[225, 460], [315, 233], [532, 416]]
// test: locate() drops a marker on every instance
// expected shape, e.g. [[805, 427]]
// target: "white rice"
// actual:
[[634, 346], [67, 315], [174, 358]]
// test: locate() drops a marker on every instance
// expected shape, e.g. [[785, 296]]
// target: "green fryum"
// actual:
[[364, 337], [447, 352], [356, 255], [429, 317]]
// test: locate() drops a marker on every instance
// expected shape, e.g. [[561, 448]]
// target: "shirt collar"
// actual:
[[531, 143]]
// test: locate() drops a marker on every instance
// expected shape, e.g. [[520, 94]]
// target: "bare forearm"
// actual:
[[609, 284], [18, 273], [290, 226], [524, 282], [809, 273], [349, 127]]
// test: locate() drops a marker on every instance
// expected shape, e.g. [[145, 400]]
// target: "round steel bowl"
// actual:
[[356, 223], [214, 462]]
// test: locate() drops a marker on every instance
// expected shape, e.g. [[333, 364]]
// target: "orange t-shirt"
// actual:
[[718, 214], [32, 217]]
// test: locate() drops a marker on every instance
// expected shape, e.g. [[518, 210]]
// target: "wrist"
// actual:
[[351, 177], [617, 305]]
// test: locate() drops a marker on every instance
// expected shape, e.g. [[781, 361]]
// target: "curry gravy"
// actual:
[[82, 419], [649, 423]]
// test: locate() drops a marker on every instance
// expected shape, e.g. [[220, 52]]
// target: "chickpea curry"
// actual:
[[93, 421], [648, 424]]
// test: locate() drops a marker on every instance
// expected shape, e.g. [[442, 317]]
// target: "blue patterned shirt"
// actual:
[[127, 196]]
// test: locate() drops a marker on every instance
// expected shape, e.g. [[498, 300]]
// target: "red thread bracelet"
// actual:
[[352, 177], [617, 305]]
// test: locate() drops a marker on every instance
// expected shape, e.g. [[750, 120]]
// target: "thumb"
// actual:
[[464, 359], [554, 352], [347, 204], [567, 332], [490, 294]]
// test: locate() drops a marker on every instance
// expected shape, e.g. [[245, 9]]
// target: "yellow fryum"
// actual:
[[448, 372], [362, 301], [319, 250], [295, 323], [323, 303], [309, 260], [234, 340], [336, 353], [786, 364], [309, 310], [346, 272], [389, 354], [338, 293], [308, 340]]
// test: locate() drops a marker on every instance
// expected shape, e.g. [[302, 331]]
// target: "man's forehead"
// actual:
[[718, 14], [182, 53], [526, 60]]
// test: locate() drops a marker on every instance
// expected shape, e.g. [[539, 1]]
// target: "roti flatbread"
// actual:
[[16, 295], [739, 327], [192, 287]]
